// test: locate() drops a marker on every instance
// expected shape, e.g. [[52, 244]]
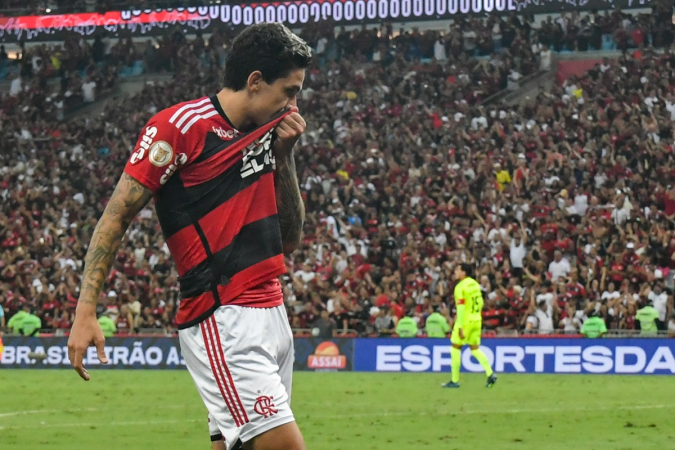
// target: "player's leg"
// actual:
[[477, 353], [473, 339], [456, 361], [455, 358], [202, 361], [284, 437], [260, 358], [217, 442], [220, 445], [233, 358], [286, 357], [288, 436]]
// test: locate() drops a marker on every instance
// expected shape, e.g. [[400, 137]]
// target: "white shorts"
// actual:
[[241, 360]]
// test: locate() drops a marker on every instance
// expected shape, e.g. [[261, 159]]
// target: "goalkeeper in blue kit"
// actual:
[[468, 325]]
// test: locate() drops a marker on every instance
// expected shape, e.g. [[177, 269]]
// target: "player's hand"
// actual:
[[288, 131], [461, 333], [85, 332]]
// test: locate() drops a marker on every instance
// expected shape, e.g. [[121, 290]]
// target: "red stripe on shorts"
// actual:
[[210, 350], [227, 371]]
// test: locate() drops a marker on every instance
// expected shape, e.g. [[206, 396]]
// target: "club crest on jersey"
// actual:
[[161, 153], [264, 406], [257, 155]]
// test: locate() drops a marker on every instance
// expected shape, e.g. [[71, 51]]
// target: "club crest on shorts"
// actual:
[[161, 153], [264, 406]]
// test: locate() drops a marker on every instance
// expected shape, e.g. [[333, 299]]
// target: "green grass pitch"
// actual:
[[141, 410]]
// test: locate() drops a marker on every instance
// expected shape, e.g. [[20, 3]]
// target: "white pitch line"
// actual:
[[330, 416], [46, 411], [101, 424], [25, 413], [66, 411], [489, 411]]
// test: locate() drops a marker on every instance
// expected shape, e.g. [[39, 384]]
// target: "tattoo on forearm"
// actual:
[[290, 206], [129, 197]]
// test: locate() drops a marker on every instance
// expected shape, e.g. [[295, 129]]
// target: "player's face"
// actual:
[[271, 99], [459, 273]]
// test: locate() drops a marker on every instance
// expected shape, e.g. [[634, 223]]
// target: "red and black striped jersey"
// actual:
[[216, 204]]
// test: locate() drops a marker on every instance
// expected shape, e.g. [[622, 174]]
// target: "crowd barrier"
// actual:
[[507, 355]]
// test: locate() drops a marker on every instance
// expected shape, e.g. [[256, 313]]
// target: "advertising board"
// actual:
[[338, 12], [514, 355], [521, 355]]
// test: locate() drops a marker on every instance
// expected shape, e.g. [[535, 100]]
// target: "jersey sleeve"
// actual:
[[444, 326], [460, 304], [161, 151], [459, 295]]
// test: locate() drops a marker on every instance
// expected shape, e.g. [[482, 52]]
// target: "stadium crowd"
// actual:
[[566, 202]]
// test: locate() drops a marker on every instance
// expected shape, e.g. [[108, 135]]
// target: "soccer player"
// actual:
[[222, 173], [468, 324]]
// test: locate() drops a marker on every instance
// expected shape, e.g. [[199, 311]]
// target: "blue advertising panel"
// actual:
[[122, 353], [521, 355], [159, 353]]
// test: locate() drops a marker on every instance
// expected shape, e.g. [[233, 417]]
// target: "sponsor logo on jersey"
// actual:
[[179, 161], [257, 155], [264, 406], [224, 134], [161, 153], [327, 356], [144, 144]]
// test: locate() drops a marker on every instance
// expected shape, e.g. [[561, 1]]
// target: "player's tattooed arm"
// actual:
[[129, 198], [290, 206]]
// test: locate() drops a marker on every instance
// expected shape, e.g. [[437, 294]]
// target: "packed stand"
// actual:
[[566, 204], [608, 30], [82, 160], [52, 81], [399, 175]]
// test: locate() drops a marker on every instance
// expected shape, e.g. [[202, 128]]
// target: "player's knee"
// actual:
[[285, 437]]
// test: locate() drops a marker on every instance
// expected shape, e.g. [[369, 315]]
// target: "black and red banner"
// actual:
[[296, 13]]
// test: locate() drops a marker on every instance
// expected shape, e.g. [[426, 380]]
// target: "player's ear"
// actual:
[[254, 82]]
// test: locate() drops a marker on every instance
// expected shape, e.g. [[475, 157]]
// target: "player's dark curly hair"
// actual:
[[270, 48], [467, 269]]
